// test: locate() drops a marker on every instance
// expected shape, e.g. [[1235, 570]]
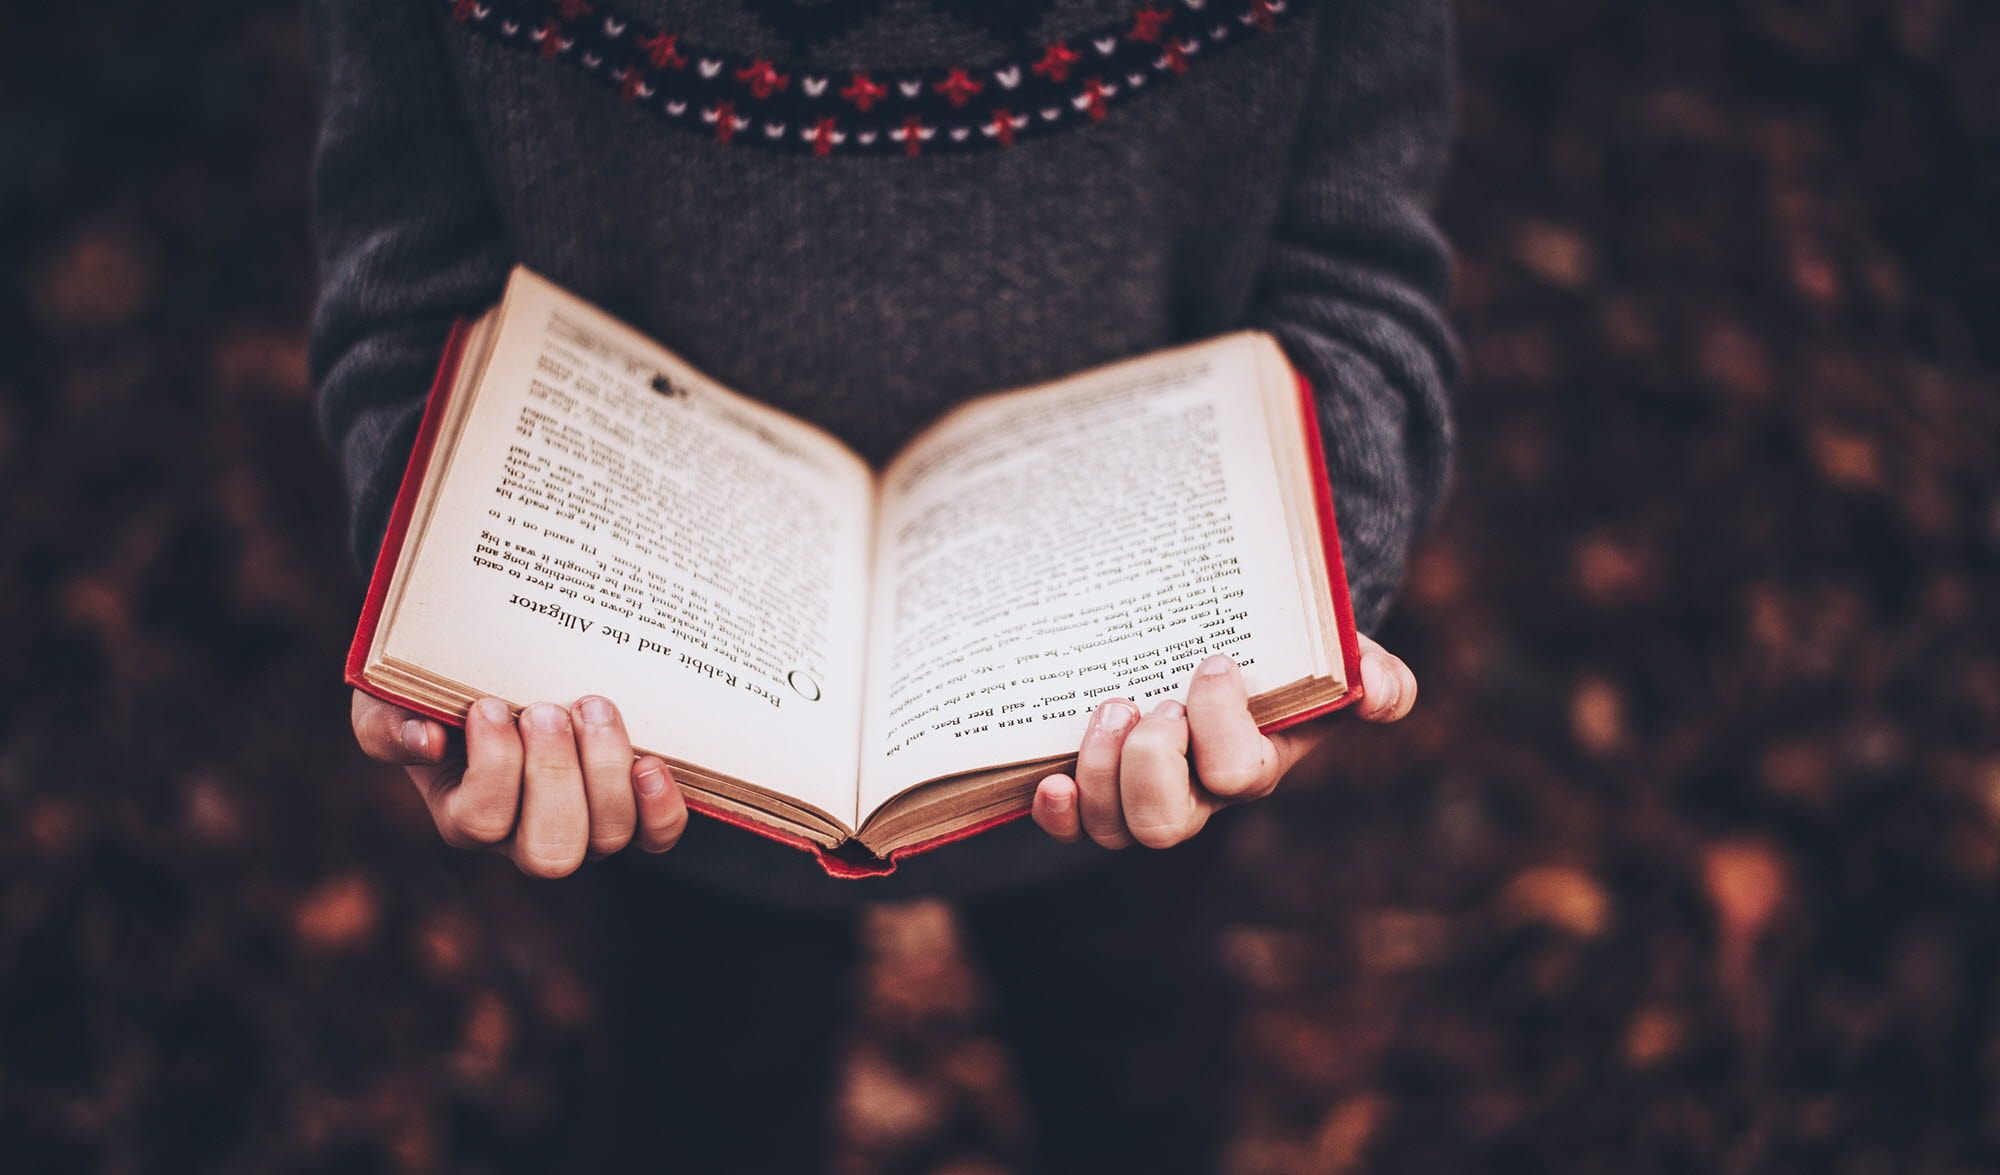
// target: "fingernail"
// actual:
[[544, 716], [1214, 665], [494, 711], [652, 780], [1169, 709], [417, 737], [1061, 801], [1116, 715], [595, 711]]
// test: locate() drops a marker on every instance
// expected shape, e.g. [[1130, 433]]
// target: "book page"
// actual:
[[1042, 550], [612, 522]]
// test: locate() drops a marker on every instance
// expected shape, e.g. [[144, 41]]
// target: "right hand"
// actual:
[[545, 790]]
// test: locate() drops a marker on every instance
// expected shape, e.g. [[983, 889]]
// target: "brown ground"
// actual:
[[1687, 862]]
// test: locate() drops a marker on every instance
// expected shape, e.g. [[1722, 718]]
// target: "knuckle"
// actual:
[[1098, 755], [461, 833], [1148, 737], [481, 823], [484, 828], [671, 819], [551, 851], [667, 833], [611, 841], [1154, 756], [498, 752], [1235, 779], [553, 773], [1211, 699], [609, 775], [1231, 778], [1158, 834], [547, 864], [1162, 829], [1140, 744]]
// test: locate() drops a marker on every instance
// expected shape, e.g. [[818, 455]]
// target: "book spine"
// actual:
[[848, 866], [1336, 568], [399, 525]]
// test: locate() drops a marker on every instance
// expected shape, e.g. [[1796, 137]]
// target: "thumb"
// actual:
[[391, 734], [1388, 688]]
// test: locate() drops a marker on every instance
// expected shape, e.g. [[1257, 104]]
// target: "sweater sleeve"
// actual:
[[406, 235], [1355, 279]]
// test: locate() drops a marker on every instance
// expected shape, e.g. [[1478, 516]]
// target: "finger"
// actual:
[[1232, 758], [1161, 805], [663, 813], [391, 734], [481, 808], [1388, 688], [605, 753], [1055, 808], [554, 832], [1097, 773]]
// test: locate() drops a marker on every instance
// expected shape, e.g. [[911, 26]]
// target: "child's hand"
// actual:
[[545, 790], [1133, 779]]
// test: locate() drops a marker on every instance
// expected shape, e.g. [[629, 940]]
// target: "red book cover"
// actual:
[[843, 862]]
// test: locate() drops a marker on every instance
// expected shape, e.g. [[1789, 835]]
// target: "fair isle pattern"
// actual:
[[739, 100]]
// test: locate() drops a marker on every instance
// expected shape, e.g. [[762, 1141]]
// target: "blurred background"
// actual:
[[1687, 861]]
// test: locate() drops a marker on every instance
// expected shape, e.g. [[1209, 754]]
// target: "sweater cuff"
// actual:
[[1386, 470], [373, 457]]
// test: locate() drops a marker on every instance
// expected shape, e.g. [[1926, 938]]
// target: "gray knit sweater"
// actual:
[[864, 211]]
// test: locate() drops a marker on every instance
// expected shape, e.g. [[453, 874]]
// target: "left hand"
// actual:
[[1156, 779]]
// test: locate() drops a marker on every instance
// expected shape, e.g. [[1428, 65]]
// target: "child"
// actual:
[[864, 211]]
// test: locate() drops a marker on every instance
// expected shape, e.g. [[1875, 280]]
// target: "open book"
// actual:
[[863, 663]]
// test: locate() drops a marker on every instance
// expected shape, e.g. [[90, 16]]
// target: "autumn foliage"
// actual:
[[1689, 859]]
